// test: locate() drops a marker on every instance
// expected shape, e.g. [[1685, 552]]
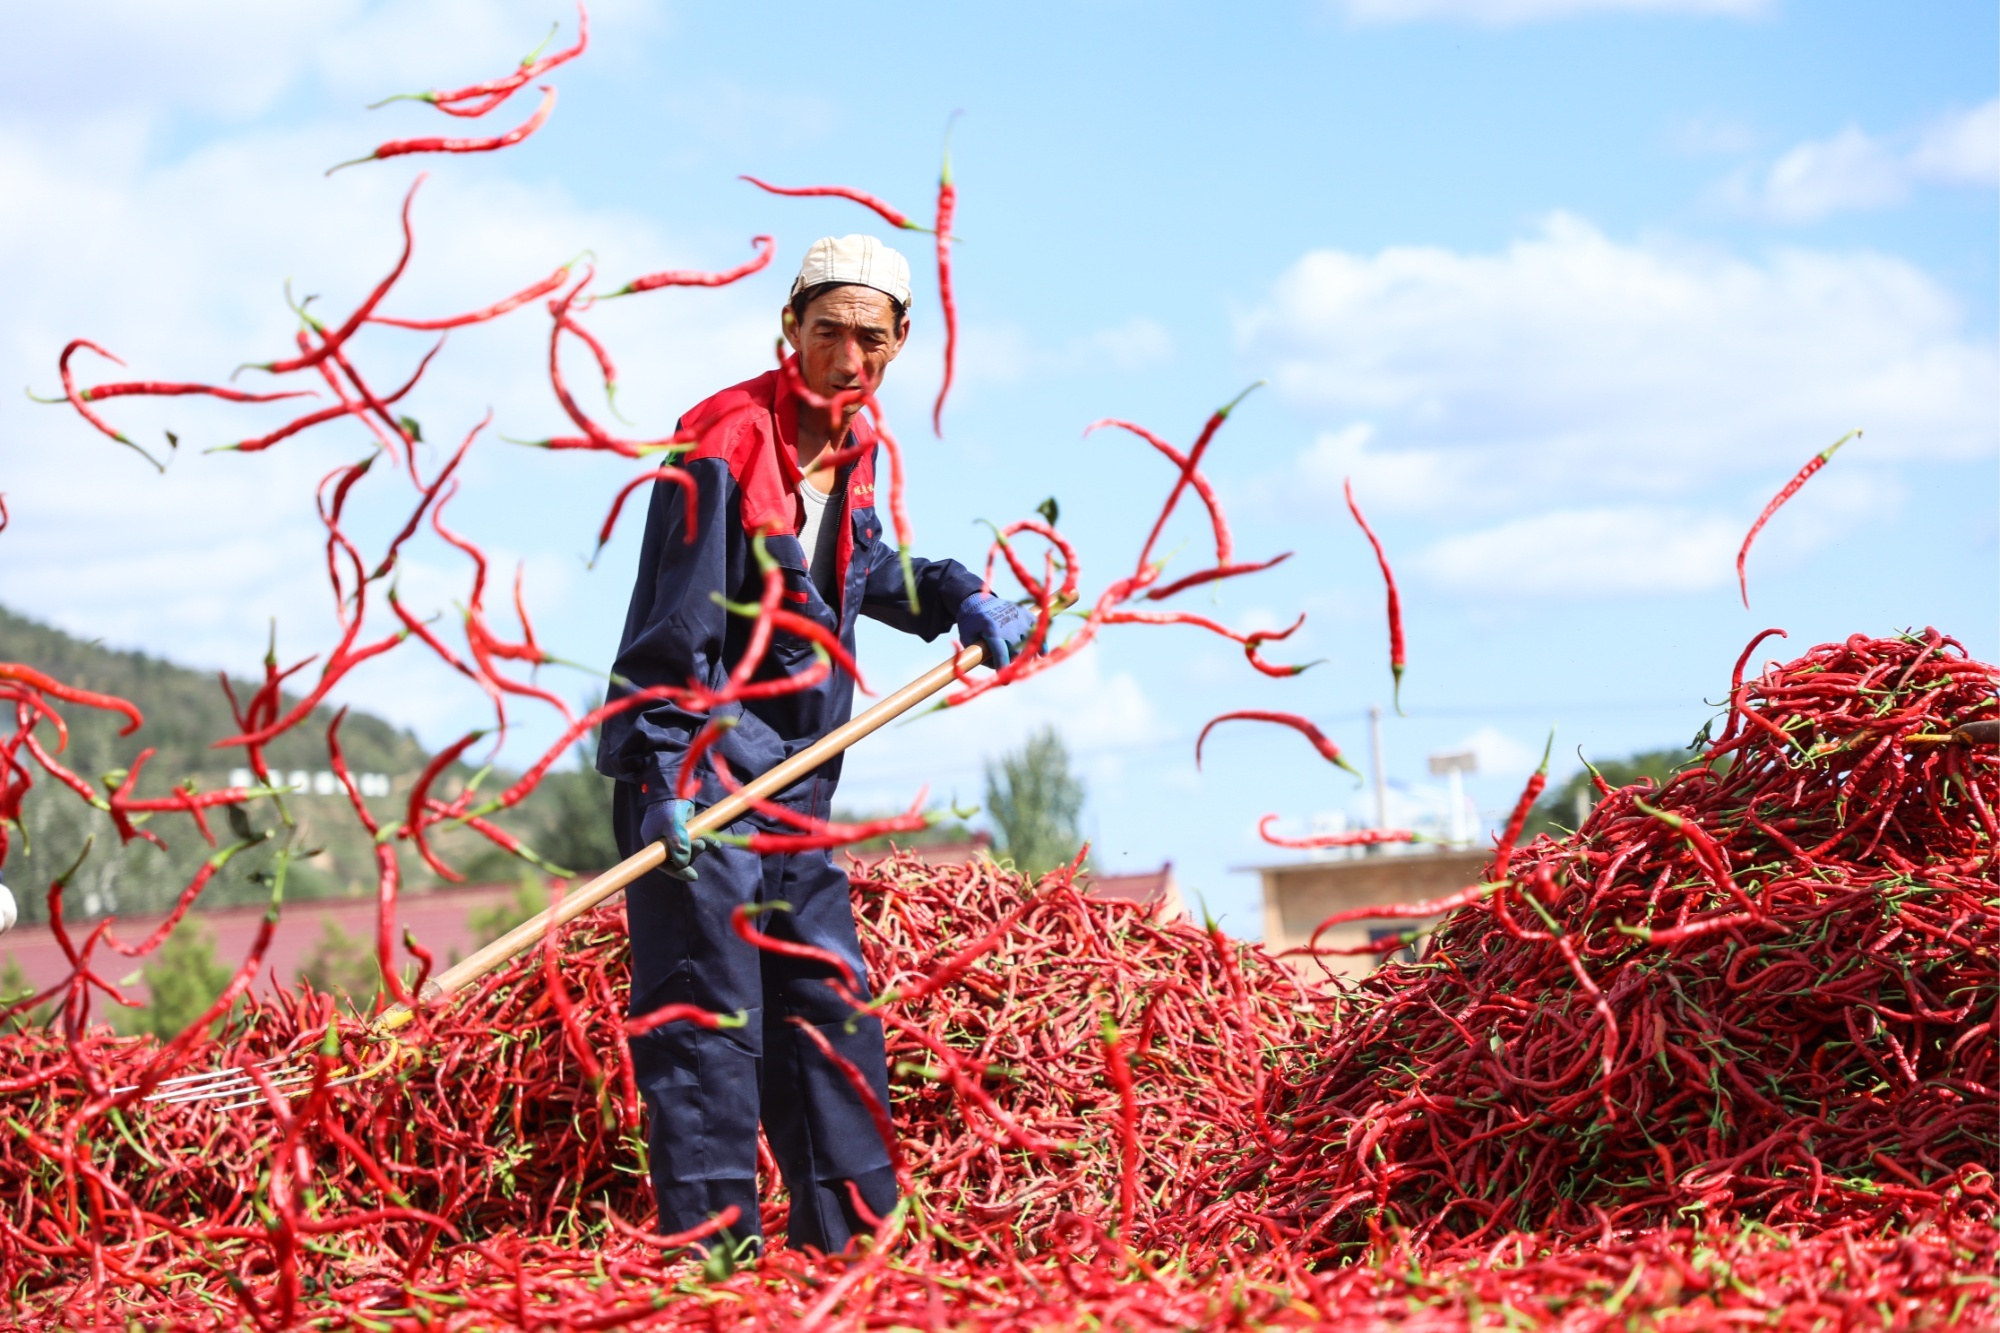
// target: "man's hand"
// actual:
[[665, 821], [996, 624]]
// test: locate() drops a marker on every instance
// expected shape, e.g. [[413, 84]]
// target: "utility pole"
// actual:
[[1375, 753], [1454, 765]]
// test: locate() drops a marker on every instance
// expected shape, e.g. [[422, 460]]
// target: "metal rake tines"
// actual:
[[233, 1086]]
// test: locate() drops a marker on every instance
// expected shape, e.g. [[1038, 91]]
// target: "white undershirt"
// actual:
[[815, 517]]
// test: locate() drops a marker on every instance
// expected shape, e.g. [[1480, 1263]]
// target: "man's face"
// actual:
[[848, 336]]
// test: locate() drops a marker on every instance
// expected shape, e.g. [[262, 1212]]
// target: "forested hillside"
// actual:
[[566, 820]]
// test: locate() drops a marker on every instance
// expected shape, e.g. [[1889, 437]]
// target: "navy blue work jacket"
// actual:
[[746, 474]]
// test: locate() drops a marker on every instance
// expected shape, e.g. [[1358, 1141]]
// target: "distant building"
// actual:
[[1149, 888], [1301, 894]]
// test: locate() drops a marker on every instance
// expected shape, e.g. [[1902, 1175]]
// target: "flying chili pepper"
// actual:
[[892, 216], [1367, 837], [483, 97], [1395, 598], [326, 414], [1531, 792], [678, 277], [671, 475], [47, 684], [401, 147], [947, 209], [1327, 749], [484, 313], [1814, 464], [332, 342]]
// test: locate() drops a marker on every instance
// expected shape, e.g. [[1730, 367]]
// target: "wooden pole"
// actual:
[[720, 815]]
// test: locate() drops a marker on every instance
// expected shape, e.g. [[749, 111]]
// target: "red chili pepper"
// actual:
[[682, 277], [1118, 1071], [332, 342], [947, 209], [1511, 834], [673, 475], [877, 1113], [598, 438], [171, 389], [46, 684], [403, 147], [565, 1005], [414, 821], [344, 660], [1328, 750], [428, 495], [889, 215], [1250, 641], [483, 97], [898, 513], [1212, 575], [813, 632], [1218, 520], [325, 414], [1367, 837], [1813, 465], [1186, 478], [739, 921], [640, 1024], [1396, 657], [528, 781], [484, 313], [688, 781], [76, 399]]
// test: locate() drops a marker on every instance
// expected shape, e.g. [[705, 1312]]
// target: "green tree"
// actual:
[[491, 922], [1558, 812], [15, 987], [183, 979], [1036, 804], [340, 964]]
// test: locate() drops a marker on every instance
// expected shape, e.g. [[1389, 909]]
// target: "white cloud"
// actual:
[[1649, 549], [178, 266], [1008, 354], [1500, 755], [1573, 369], [1506, 13], [1854, 170], [1584, 552], [1961, 149], [1102, 716], [1134, 345], [96, 53]]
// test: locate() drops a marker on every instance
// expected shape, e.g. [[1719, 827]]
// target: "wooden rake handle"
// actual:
[[718, 816]]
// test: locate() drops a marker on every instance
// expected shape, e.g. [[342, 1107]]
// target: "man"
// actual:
[[758, 465]]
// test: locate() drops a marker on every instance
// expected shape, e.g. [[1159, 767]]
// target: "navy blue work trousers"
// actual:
[[707, 1090]]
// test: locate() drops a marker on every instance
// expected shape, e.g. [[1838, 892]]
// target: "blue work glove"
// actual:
[[996, 624], [665, 821]]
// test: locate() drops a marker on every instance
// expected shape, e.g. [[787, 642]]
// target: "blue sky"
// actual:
[[1569, 287]]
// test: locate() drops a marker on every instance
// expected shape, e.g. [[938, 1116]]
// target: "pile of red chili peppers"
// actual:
[[1764, 991], [1723, 1056]]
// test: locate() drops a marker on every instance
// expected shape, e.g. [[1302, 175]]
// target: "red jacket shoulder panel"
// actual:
[[739, 427]]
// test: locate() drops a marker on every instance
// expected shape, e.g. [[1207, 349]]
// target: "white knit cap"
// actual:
[[862, 260]]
